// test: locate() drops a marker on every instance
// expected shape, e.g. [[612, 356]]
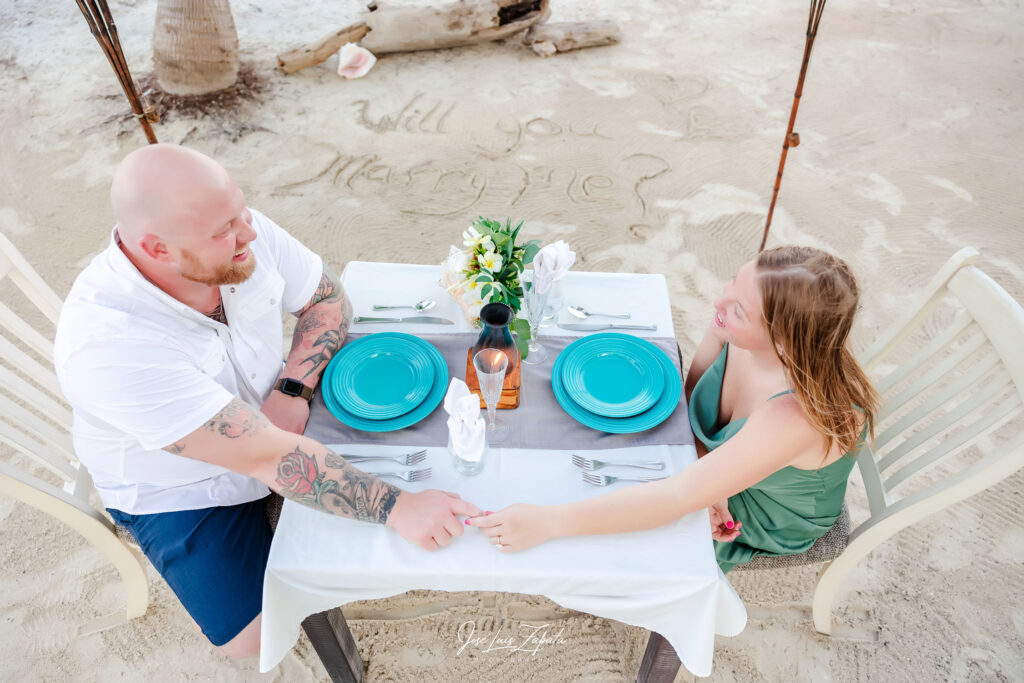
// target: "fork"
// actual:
[[406, 459], [413, 475], [605, 480], [591, 464]]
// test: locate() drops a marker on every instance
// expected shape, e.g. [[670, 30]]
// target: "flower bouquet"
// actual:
[[488, 269]]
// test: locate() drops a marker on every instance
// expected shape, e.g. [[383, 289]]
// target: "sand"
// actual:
[[656, 155]]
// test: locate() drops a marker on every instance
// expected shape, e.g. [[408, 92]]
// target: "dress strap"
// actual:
[[783, 393]]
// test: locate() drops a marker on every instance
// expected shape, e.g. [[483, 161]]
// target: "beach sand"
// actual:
[[655, 155]]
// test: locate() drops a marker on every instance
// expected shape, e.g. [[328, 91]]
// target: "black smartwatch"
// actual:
[[293, 387]]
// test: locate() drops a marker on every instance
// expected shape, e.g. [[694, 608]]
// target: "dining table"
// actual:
[[665, 579]]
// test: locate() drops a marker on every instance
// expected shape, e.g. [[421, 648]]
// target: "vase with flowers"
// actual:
[[488, 269]]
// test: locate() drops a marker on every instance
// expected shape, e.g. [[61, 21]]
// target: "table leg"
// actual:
[[335, 645], [660, 663]]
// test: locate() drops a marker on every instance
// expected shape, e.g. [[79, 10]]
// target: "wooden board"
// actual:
[[509, 389]]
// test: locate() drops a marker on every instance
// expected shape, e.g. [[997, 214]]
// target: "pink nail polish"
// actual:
[[488, 512], [467, 522], [729, 525]]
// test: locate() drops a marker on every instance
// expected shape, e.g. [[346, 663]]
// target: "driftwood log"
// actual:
[[547, 39], [422, 25], [317, 52]]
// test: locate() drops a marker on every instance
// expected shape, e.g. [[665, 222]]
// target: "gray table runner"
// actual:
[[538, 422]]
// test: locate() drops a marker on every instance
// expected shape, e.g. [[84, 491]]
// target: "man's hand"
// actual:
[[723, 527], [428, 519], [289, 413]]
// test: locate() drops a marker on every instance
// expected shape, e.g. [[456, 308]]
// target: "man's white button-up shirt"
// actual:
[[143, 370]]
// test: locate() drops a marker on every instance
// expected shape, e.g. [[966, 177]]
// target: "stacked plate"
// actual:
[[616, 383], [384, 381]]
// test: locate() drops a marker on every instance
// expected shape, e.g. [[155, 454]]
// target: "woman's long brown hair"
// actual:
[[808, 299]]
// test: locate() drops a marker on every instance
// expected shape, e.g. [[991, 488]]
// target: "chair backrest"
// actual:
[[951, 375], [34, 418]]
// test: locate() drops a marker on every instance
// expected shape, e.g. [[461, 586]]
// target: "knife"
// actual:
[[594, 327], [412, 319]]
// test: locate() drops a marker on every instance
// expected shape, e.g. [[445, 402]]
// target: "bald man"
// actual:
[[169, 349]]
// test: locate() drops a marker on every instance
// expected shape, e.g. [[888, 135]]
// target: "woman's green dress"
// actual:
[[784, 513]]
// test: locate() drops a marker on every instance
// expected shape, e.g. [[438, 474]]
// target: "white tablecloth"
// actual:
[[665, 579]]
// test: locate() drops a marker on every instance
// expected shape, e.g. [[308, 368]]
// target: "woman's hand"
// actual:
[[515, 528], [723, 527]]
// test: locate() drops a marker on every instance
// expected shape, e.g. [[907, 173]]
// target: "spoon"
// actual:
[[424, 305], [583, 313]]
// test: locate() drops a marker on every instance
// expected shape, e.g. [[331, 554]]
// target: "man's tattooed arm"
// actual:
[[335, 486], [320, 330], [242, 439]]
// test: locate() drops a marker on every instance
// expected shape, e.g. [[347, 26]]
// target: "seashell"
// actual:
[[354, 61]]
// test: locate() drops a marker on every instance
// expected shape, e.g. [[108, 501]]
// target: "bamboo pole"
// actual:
[[101, 24], [793, 139]]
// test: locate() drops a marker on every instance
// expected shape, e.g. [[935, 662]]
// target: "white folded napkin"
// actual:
[[466, 427], [551, 263]]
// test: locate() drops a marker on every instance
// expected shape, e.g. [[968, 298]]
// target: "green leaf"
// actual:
[[485, 291], [515, 232], [530, 250], [521, 326], [523, 345]]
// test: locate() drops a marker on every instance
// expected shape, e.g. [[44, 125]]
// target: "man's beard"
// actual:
[[227, 274]]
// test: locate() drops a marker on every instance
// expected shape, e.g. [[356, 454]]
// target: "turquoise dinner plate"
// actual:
[[652, 417], [611, 376], [329, 391], [379, 378]]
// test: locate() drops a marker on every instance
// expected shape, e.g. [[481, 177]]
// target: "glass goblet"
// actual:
[[490, 366], [534, 302], [554, 304]]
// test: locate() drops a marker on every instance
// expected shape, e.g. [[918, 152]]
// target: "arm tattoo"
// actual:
[[313, 321], [350, 493], [329, 290], [329, 342], [235, 419], [309, 322]]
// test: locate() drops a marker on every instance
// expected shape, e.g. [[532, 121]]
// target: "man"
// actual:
[[169, 351]]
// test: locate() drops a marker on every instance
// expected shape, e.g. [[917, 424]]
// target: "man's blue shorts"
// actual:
[[213, 559]]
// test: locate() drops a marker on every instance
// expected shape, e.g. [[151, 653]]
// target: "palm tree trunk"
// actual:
[[195, 46]]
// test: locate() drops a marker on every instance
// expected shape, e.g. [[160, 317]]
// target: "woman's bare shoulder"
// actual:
[[783, 420]]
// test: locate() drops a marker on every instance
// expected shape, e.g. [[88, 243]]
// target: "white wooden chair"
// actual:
[[35, 421], [951, 375]]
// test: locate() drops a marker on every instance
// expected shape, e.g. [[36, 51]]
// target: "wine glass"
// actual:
[[534, 303], [554, 305], [490, 365]]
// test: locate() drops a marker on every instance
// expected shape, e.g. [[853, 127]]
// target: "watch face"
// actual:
[[292, 387]]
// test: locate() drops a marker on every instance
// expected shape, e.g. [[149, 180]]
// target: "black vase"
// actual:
[[496, 319]]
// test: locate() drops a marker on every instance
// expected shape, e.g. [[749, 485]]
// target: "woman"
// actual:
[[778, 405]]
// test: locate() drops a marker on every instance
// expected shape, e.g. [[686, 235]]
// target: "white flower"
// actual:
[[471, 237], [490, 261]]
